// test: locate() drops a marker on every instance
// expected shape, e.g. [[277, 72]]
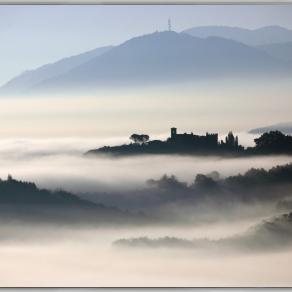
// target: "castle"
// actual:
[[209, 140], [177, 143], [200, 145]]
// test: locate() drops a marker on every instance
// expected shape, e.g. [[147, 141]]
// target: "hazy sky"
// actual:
[[200, 107], [37, 34]]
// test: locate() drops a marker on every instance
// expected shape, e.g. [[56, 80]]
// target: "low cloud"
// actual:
[[268, 235], [59, 163], [122, 182]]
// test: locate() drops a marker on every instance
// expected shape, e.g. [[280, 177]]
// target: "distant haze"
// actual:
[[195, 107]]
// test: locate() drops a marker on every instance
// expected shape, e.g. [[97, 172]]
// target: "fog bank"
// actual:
[[85, 257], [59, 163], [272, 234]]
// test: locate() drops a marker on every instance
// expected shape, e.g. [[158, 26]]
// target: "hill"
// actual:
[[272, 234], [252, 37], [30, 78], [285, 128], [279, 50], [210, 196], [164, 57], [19, 192], [271, 142], [25, 202]]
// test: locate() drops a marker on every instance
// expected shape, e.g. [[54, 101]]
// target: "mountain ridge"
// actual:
[[166, 57], [29, 78], [285, 127], [150, 59], [254, 37], [279, 50]]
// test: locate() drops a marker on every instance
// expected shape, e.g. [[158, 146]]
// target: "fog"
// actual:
[[60, 164], [55, 256], [60, 255], [268, 235], [43, 140]]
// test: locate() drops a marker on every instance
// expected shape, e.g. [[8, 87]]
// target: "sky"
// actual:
[[113, 115], [33, 35]]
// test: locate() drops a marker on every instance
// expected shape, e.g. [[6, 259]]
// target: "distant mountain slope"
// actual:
[[283, 127], [13, 192], [24, 201], [272, 234], [254, 37], [149, 59], [279, 50], [166, 56], [30, 78]]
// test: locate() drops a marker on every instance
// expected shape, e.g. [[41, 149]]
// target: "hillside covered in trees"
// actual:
[[24, 201], [273, 142]]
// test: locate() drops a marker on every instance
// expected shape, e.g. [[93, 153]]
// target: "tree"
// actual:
[[274, 141], [139, 138], [204, 182]]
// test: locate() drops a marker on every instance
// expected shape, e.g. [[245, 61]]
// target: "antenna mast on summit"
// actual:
[[169, 24]]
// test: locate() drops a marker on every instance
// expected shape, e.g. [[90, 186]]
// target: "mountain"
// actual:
[[22, 201], [253, 37], [279, 50], [14, 192], [30, 78], [283, 127], [272, 234], [154, 58], [165, 57]]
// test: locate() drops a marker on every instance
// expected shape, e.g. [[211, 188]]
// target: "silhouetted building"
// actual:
[[173, 132], [186, 143], [231, 142], [191, 140]]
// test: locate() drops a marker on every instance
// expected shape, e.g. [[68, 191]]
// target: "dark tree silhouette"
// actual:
[[203, 181], [139, 138], [18, 192], [167, 183], [274, 142]]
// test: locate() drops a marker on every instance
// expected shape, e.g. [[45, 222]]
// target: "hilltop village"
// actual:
[[185, 143], [273, 142]]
